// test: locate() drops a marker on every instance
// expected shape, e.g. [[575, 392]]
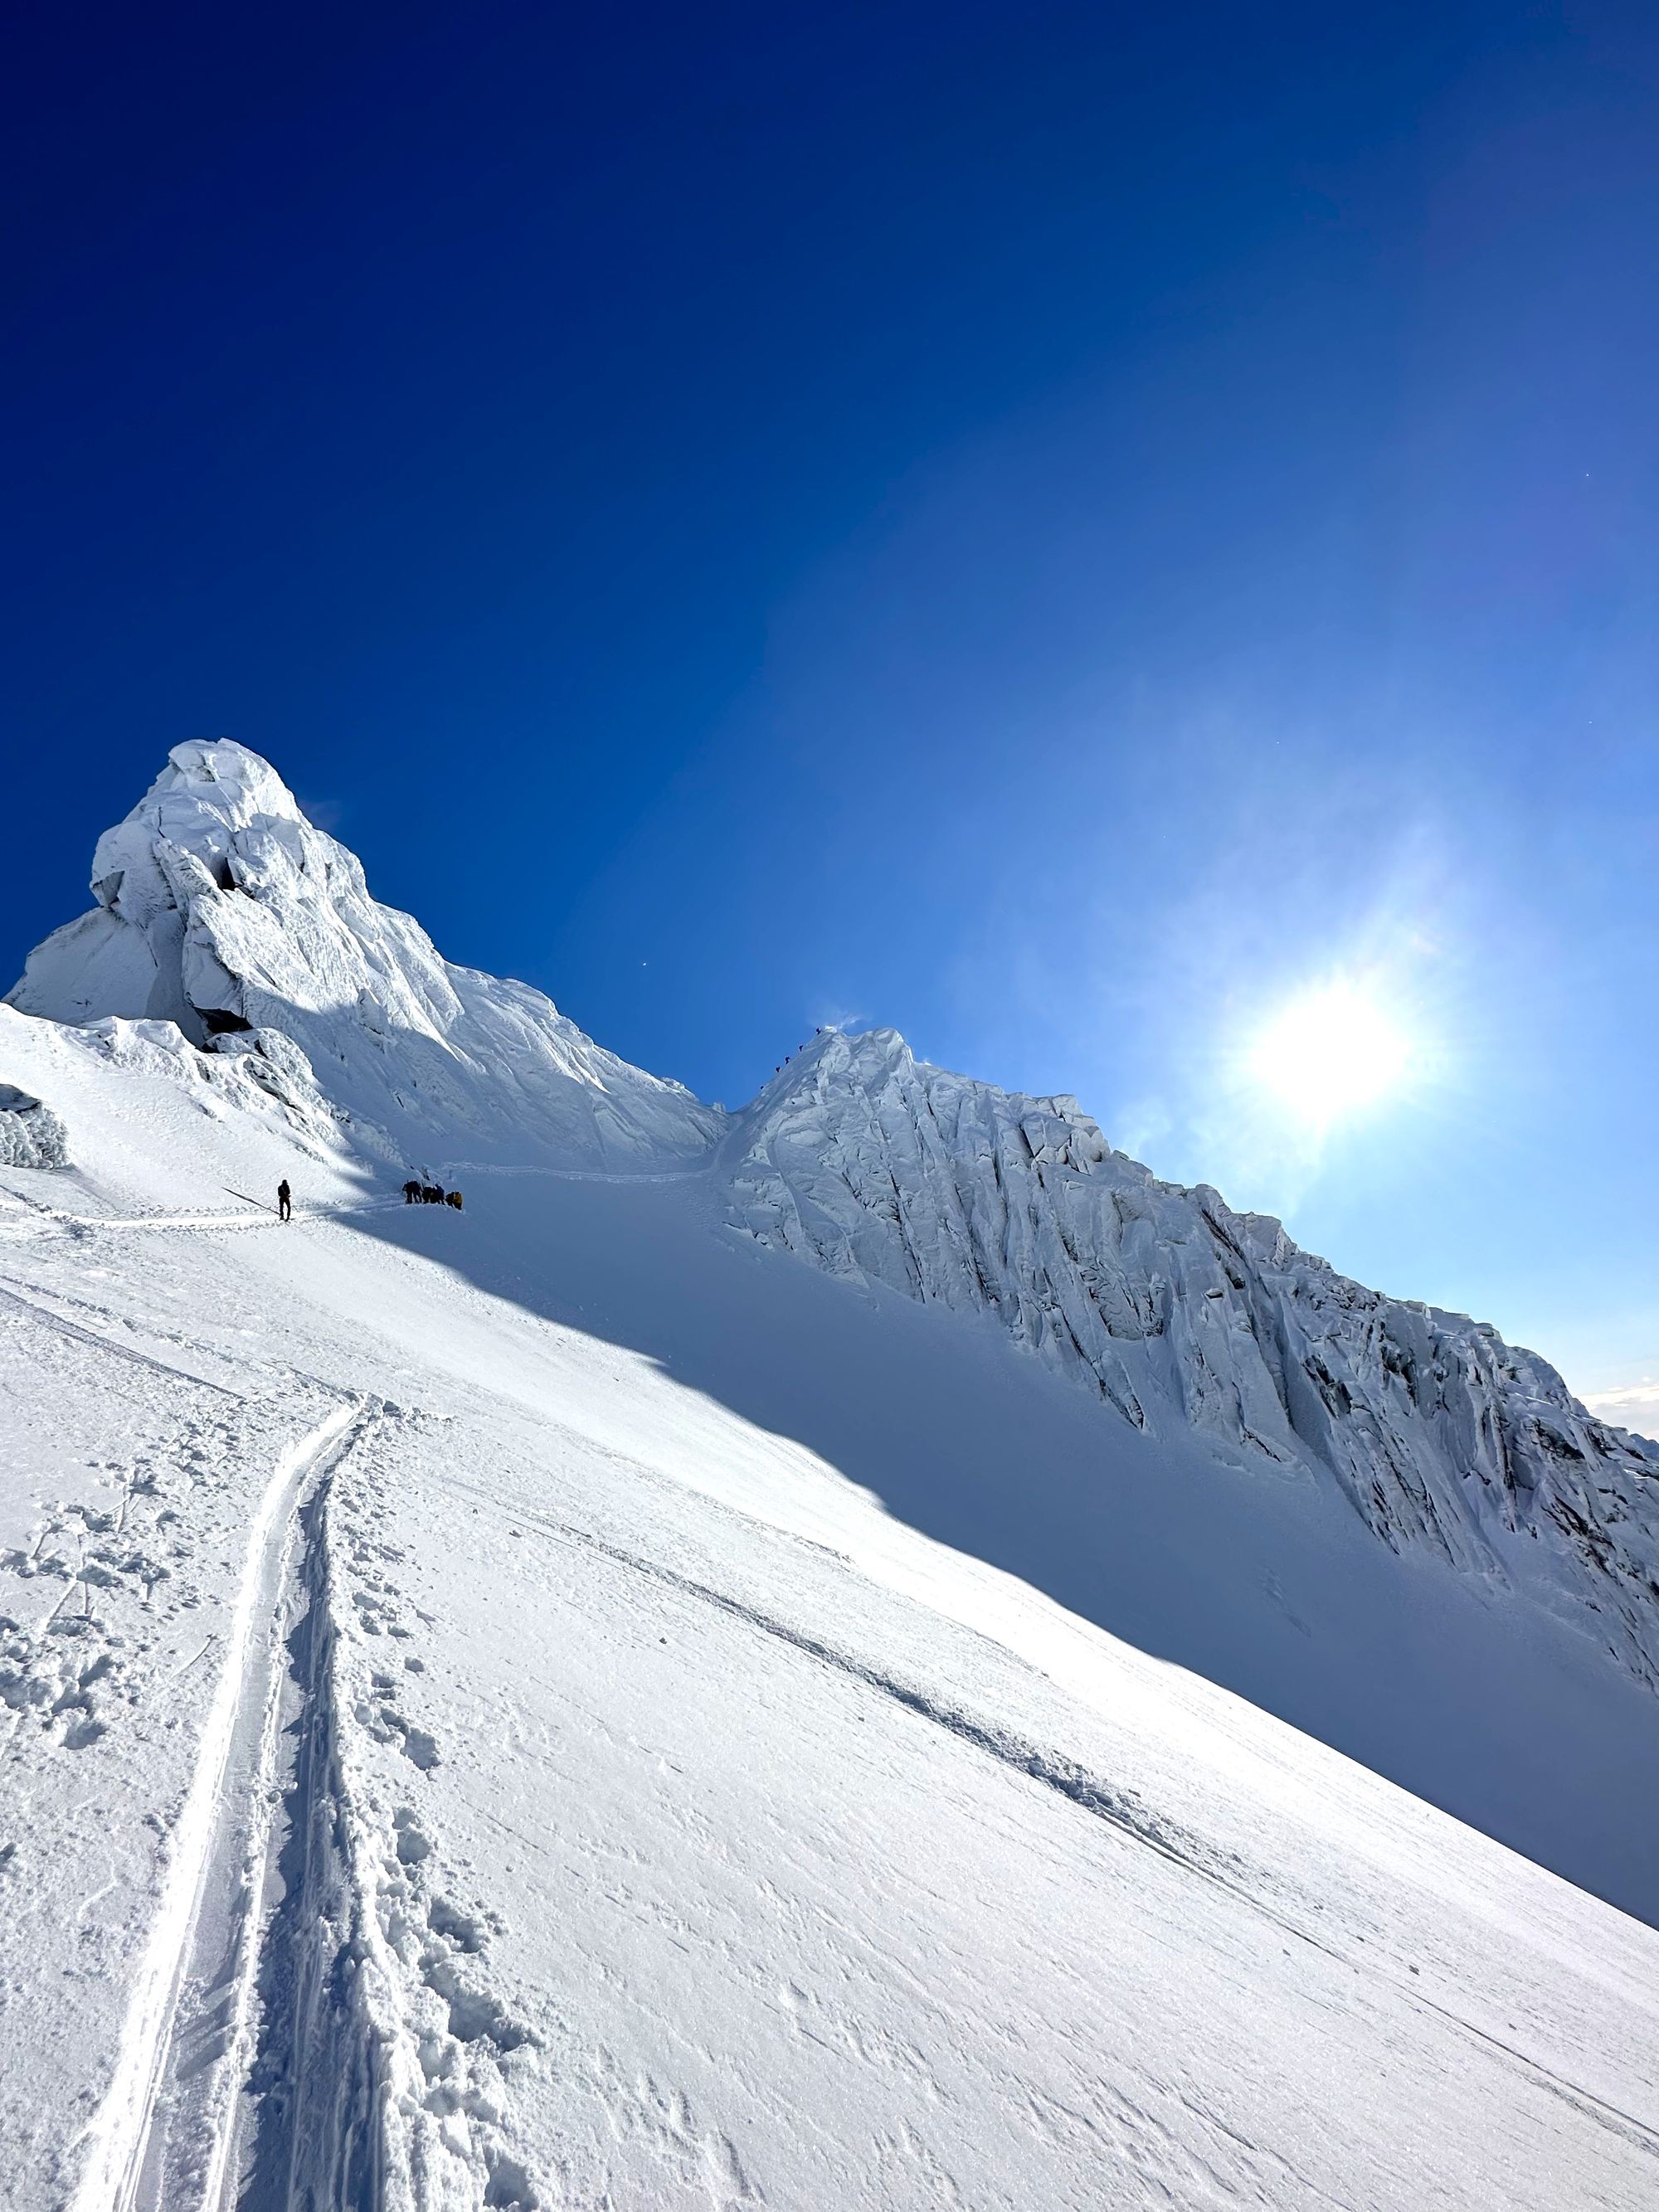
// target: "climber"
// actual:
[[454, 1200], [411, 1191], [284, 1209]]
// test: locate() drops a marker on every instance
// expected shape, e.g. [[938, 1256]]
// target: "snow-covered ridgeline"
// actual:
[[1182, 1313], [222, 909], [237, 947]]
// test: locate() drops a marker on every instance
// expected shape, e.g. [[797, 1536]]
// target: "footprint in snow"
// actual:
[[413, 1844], [453, 1926]]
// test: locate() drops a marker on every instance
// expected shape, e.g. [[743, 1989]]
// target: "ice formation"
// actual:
[[30, 1137], [1182, 1313], [221, 909]]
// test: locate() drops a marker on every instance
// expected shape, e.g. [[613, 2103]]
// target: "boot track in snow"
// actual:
[[166, 2134]]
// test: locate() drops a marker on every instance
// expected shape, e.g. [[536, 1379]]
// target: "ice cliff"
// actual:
[[1181, 1313], [220, 909]]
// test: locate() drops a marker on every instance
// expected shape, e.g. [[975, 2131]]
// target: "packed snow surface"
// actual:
[[561, 1704]]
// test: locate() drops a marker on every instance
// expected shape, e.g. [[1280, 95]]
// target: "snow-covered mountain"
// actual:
[[221, 909], [750, 1665], [1183, 1314]]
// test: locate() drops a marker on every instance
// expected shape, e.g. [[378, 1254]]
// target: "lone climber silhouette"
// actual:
[[284, 1209]]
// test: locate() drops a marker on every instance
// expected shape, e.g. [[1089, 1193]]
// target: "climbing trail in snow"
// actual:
[[45, 1221], [213, 1886], [19, 1301], [641, 1177], [1119, 1807]]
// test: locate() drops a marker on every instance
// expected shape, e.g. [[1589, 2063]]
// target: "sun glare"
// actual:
[[1331, 1052]]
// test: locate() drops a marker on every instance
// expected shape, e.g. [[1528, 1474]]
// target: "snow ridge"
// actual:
[[236, 947], [1181, 1312], [221, 909]]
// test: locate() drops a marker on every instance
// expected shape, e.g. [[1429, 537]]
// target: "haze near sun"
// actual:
[[1334, 1051]]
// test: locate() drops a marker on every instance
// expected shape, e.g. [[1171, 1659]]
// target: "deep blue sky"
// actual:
[[1050, 526]]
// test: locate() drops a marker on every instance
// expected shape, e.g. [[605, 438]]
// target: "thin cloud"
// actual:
[[325, 814]]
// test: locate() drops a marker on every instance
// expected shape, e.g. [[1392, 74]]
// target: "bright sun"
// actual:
[[1330, 1051]]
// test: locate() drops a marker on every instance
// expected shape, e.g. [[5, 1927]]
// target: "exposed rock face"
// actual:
[[1181, 1312], [30, 1137], [222, 909]]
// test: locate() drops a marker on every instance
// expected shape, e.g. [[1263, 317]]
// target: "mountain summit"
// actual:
[[220, 909]]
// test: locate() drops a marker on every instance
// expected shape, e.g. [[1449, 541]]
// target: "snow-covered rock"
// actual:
[[1183, 1314], [30, 1137], [222, 910]]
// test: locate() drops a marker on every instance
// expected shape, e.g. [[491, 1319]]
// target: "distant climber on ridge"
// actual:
[[284, 1207]]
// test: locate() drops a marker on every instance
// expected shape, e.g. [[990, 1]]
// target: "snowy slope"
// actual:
[[564, 1703], [1185, 1316], [220, 909], [477, 1739]]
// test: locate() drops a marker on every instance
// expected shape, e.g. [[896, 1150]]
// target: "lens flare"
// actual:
[[1331, 1052]]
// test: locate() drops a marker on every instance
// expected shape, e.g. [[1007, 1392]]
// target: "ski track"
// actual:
[[99, 1343], [52, 1220], [583, 1175], [1052, 1770], [120, 2138], [1119, 1809]]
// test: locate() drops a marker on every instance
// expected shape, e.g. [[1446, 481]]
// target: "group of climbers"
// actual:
[[788, 1056], [416, 1193]]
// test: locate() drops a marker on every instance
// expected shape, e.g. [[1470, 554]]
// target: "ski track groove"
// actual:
[[114, 2168], [284, 1373], [1118, 1809], [99, 1343], [621, 1176], [50, 1221]]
